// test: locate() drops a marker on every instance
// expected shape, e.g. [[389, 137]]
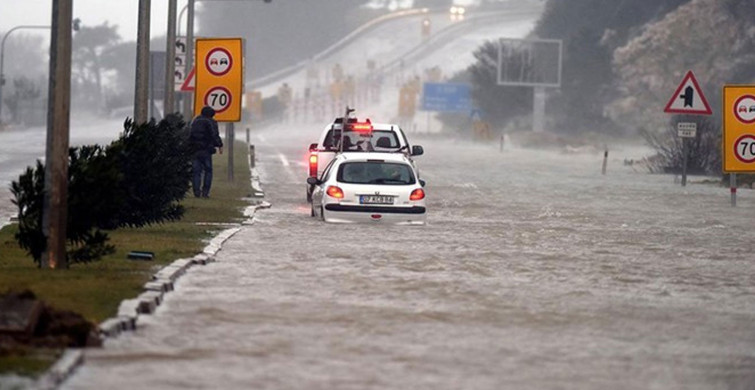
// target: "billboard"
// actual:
[[529, 62]]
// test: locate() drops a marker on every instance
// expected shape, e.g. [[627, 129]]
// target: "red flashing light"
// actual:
[[335, 192], [313, 165], [361, 127], [417, 194]]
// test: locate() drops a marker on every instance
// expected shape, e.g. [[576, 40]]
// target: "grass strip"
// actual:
[[95, 290]]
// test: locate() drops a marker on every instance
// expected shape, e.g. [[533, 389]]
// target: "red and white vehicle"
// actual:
[[363, 136]]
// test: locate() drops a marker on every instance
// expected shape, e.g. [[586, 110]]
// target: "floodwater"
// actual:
[[534, 272]]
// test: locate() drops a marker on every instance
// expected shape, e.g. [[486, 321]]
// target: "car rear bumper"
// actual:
[[376, 209], [336, 213]]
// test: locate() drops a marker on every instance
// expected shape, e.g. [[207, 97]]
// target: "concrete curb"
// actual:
[[154, 291], [256, 189], [60, 371]]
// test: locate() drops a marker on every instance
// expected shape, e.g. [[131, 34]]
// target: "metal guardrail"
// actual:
[[437, 39], [275, 76]]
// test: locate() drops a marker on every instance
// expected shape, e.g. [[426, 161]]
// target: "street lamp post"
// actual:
[[74, 25], [2, 60]]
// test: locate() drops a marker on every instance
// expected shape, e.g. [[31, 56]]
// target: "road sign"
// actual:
[[739, 129], [179, 75], [446, 97], [219, 77], [688, 98], [189, 82], [219, 98], [744, 109], [686, 129], [219, 61]]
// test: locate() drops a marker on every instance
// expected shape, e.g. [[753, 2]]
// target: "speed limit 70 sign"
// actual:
[[219, 98], [219, 77], [739, 129]]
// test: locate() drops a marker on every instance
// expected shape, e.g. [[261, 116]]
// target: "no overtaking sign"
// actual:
[[219, 77], [739, 129]]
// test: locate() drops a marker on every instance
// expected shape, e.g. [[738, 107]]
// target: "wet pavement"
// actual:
[[534, 272]]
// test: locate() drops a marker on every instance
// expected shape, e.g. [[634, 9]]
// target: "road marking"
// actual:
[[287, 166], [261, 138], [284, 160]]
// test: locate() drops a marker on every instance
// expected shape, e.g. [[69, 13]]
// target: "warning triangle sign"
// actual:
[[189, 83], [688, 98]]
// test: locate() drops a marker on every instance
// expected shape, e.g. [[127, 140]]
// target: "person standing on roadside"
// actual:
[[204, 138]]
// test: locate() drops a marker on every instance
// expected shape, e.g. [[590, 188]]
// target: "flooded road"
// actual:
[[534, 272]]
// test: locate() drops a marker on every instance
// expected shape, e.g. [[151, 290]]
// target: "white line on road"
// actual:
[[284, 160]]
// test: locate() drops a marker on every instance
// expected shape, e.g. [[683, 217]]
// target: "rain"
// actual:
[[567, 256]]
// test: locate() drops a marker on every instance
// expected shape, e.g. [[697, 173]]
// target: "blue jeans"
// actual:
[[202, 164]]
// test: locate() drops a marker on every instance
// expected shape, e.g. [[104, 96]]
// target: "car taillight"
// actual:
[[417, 194], [313, 165], [335, 192]]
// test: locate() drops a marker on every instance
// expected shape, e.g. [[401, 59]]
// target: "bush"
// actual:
[[137, 180], [156, 167], [704, 149]]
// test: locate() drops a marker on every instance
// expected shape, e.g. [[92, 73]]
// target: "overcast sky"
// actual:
[[124, 13]]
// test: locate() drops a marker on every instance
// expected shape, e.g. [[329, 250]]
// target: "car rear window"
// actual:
[[375, 172], [377, 140]]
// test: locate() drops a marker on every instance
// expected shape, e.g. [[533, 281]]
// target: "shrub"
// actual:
[[137, 180], [156, 166], [92, 177], [704, 149]]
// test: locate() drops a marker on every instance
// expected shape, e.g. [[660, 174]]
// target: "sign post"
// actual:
[[685, 130], [738, 140], [688, 98]]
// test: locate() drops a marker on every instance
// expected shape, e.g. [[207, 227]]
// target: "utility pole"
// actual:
[[170, 60], [55, 206], [188, 101], [141, 95]]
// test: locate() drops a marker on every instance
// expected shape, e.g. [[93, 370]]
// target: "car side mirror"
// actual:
[[417, 150], [313, 181], [422, 182], [312, 147]]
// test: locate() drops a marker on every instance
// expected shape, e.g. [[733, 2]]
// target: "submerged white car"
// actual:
[[369, 187]]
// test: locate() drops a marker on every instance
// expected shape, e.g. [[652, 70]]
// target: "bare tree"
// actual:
[[704, 149]]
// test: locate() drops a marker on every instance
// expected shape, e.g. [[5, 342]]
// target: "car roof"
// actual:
[[364, 156]]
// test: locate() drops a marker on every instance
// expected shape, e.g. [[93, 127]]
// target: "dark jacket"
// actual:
[[205, 136]]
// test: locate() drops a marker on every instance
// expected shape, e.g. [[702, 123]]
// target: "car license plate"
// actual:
[[376, 199]]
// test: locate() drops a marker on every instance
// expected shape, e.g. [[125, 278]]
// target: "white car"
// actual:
[[369, 187]]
